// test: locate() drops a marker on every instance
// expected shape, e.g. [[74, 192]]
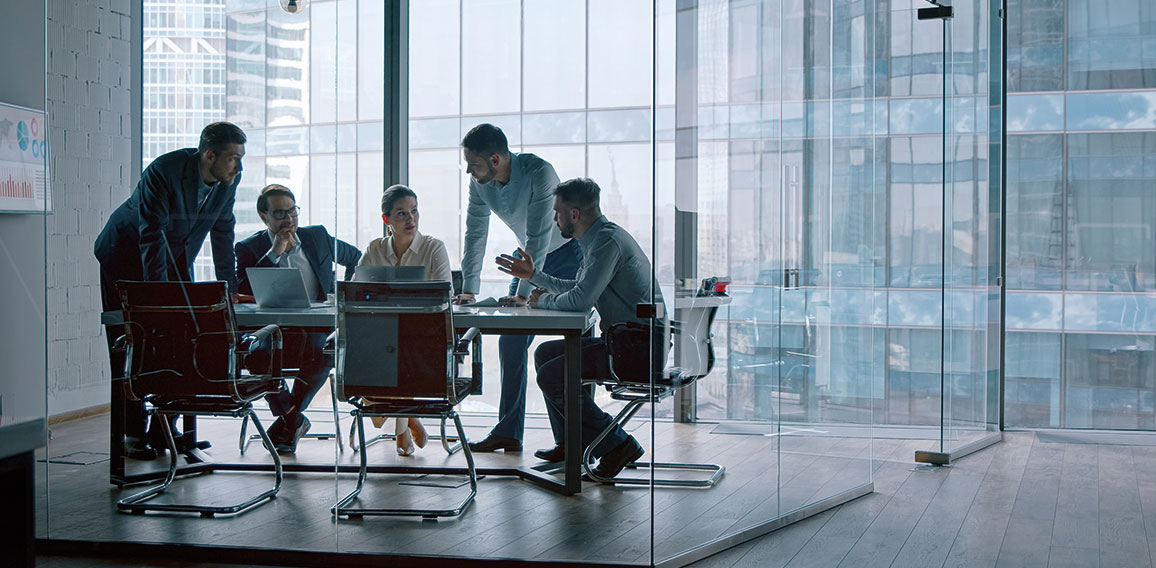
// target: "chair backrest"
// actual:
[[696, 343], [180, 338], [624, 343], [395, 340]]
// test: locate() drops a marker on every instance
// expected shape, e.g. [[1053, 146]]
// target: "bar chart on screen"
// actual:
[[16, 181], [23, 160]]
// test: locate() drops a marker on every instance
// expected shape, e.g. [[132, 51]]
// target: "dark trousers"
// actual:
[[134, 415], [562, 262], [550, 361], [304, 351]]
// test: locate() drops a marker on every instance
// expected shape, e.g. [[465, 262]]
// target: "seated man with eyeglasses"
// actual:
[[314, 251]]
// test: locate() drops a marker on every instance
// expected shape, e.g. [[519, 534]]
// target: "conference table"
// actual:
[[489, 321]]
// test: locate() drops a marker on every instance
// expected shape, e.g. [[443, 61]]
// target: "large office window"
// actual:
[[1081, 214], [781, 99]]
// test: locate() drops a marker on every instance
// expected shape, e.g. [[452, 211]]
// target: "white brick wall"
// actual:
[[88, 87]]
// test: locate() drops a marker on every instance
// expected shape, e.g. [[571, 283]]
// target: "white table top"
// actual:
[[493, 319]]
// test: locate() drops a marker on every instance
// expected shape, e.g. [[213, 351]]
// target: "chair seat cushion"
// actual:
[[249, 388], [672, 377]]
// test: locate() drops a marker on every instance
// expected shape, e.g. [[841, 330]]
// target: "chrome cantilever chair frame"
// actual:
[[245, 438], [412, 390], [177, 396], [636, 394], [356, 442]]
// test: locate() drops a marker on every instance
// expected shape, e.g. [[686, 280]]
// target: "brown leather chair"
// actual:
[[183, 356], [397, 354]]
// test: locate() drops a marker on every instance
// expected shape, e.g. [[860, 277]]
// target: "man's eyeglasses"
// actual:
[[281, 214]]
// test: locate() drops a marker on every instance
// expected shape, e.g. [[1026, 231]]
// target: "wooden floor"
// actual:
[[1024, 502], [766, 476]]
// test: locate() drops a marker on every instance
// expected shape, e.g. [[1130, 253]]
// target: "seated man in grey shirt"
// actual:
[[613, 278]]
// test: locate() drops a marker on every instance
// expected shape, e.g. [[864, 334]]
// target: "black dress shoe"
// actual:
[[289, 446], [622, 455], [555, 454], [494, 443], [138, 449], [156, 438], [276, 431]]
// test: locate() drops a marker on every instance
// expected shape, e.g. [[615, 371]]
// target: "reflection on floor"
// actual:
[[766, 476]]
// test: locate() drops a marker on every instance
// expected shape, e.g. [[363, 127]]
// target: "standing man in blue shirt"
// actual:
[[614, 278], [519, 189]]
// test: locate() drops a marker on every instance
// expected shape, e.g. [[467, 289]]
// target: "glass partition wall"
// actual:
[[776, 199], [784, 165], [969, 206]]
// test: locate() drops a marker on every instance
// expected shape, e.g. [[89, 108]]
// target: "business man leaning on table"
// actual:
[[517, 188], [313, 251], [614, 278], [183, 196]]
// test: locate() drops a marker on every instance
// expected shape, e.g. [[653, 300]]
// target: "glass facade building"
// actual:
[[1081, 212], [183, 75]]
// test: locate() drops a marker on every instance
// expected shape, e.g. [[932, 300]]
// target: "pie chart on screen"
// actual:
[[22, 135]]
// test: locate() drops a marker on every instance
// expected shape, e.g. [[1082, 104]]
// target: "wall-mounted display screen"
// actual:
[[23, 160]]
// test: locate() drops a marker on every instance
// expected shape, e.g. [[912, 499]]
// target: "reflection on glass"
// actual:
[[1109, 381], [1122, 312], [286, 69], [1032, 391], [1111, 111], [1028, 113], [1111, 212], [1035, 211], [1110, 49], [1035, 47], [1027, 310]]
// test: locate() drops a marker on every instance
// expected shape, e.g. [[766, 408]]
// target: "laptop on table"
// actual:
[[280, 288]]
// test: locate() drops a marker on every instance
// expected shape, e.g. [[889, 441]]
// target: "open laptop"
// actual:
[[389, 274], [279, 288]]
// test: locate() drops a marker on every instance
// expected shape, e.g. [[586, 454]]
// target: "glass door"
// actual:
[[769, 243], [970, 188]]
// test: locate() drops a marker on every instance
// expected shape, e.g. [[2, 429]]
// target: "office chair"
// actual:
[[183, 356], [397, 355], [629, 382]]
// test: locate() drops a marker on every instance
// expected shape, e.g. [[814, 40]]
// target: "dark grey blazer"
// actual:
[[155, 234], [319, 247]]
